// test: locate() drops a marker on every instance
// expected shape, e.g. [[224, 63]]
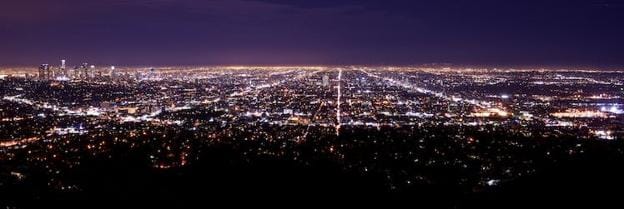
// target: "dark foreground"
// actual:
[[125, 181]]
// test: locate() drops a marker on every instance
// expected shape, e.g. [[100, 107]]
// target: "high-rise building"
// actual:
[[41, 72], [92, 70], [111, 72], [84, 70], [49, 72], [63, 68], [44, 72]]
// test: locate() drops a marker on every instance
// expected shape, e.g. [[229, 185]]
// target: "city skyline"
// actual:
[[454, 134], [197, 103], [68, 64]]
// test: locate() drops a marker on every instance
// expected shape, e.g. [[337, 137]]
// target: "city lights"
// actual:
[[366, 119]]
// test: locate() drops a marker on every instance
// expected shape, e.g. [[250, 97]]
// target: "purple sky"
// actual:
[[399, 32]]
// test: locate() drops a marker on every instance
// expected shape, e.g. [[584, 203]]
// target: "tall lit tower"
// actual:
[[41, 72], [63, 70], [44, 72], [92, 70], [112, 72], [49, 73], [84, 68]]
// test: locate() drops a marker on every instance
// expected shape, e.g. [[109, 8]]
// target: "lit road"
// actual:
[[338, 121]]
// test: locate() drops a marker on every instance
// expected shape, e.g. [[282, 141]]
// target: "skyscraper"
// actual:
[[44, 72], [112, 73], [41, 72], [49, 72], [63, 68], [92, 70], [84, 70]]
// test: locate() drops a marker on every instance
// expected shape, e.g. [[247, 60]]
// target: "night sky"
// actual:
[[288, 32]]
